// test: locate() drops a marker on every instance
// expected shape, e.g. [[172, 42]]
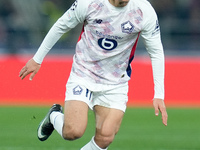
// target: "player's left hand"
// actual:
[[159, 106]]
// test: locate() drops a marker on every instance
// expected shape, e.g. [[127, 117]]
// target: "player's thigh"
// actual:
[[108, 120], [77, 100], [75, 116]]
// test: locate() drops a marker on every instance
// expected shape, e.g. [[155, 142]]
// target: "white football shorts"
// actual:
[[110, 96]]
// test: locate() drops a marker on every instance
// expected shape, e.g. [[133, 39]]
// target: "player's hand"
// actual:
[[31, 67], [159, 106]]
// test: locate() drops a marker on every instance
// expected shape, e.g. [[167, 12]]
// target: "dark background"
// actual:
[[24, 23]]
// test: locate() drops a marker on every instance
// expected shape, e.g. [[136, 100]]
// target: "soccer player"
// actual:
[[101, 67]]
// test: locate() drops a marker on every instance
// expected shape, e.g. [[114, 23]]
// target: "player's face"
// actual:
[[119, 3]]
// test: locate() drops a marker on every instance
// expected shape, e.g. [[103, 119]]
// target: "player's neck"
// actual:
[[119, 3]]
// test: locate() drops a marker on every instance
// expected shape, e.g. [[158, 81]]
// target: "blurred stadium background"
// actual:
[[23, 25]]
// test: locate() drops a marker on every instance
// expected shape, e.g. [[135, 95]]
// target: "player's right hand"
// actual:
[[31, 67]]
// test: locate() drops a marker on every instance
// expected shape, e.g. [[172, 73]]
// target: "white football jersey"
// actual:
[[108, 40]]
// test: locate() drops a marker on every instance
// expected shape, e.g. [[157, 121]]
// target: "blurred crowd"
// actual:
[[24, 23], [179, 21]]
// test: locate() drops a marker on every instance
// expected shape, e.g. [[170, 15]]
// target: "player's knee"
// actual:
[[105, 137], [108, 140], [72, 133], [105, 140]]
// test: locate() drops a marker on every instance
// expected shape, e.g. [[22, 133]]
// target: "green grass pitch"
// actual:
[[140, 130]]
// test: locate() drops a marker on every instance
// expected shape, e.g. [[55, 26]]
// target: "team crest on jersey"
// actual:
[[74, 5], [127, 27], [77, 90]]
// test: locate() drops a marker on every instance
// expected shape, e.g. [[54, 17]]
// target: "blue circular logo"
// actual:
[[107, 44]]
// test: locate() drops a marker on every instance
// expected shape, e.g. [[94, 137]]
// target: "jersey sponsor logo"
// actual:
[[77, 90], [74, 5], [107, 44], [157, 28], [100, 34], [127, 27]]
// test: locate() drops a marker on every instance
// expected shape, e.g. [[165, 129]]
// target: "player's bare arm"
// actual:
[[31, 67], [159, 106]]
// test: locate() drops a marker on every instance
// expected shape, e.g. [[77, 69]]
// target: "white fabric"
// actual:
[[92, 146], [57, 119], [108, 42], [110, 96]]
